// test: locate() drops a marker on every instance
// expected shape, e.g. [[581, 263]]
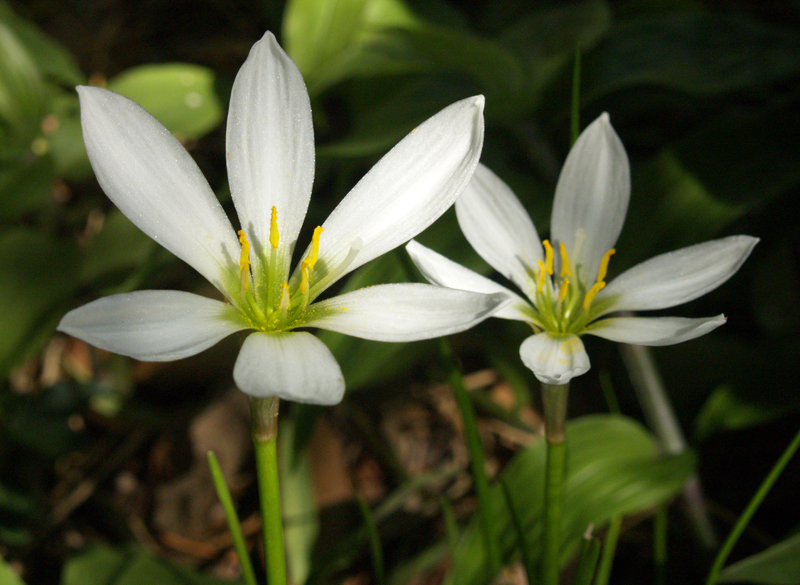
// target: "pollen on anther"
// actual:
[[548, 256], [601, 274], [565, 269], [274, 235], [562, 291], [313, 255], [540, 277], [244, 259], [596, 288]]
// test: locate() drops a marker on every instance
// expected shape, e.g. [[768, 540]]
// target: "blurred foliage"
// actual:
[[704, 95]]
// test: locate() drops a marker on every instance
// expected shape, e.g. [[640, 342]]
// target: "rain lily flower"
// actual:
[[565, 281], [270, 155]]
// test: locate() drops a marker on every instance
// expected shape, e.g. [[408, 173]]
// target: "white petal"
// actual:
[[678, 277], [498, 227], [153, 325], [405, 312], [591, 198], [293, 366], [444, 272], [653, 330], [270, 145], [146, 172], [405, 192], [554, 360]]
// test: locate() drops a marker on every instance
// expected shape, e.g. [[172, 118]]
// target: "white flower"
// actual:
[[565, 281], [270, 154]]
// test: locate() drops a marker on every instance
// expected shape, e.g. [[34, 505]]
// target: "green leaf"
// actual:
[[25, 187], [330, 40], [130, 565], [726, 409], [179, 95], [7, 575], [695, 53], [23, 95], [38, 276], [778, 565], [54, 61], [614, 468]]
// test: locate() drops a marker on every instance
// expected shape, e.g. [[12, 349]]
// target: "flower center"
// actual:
[[271, 304], [563, 303]]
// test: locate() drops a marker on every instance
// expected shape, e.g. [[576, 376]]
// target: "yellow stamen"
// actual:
[[540, 277], [311, 259], [244, 260], [596, 288], [562, 291], [274, 236], [284, 306], [304, 268], [548, 256], [601, 274], [565, 270]]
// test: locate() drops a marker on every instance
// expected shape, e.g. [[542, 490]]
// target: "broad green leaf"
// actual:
[[130, 565], [725, 409], [299, 506], [23, 95], [54, 61], [179, 95], [25, 187], [778, 565], [331, 38], [38, 276], [695, 53], [7, 575], [115, 250], [614, 467]]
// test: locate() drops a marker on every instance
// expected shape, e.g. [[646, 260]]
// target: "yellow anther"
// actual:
[[274, 236], [562, 291], [304, 268], [311, 259], [596, 288], [540, 277], [244, 260], [601, 274], [284, 305], [565, 269], [548, 256]]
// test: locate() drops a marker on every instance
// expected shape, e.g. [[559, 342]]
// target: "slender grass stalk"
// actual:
[[248, 574], [264, 415], [476, 457], [554, 400], [450, 524], [744, 519], [588, 557], [660, 543], [374, 537], [609, 549]]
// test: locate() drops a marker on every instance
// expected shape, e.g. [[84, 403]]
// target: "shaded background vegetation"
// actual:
[[705, 98]]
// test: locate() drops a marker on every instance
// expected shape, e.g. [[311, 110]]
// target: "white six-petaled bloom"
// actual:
[[270, 155], [565, 280]]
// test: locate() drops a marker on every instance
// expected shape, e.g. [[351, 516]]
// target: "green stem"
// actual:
[[264, 414], [609, 548], [237, 536], [554, 399], [744, 519], [374, 537], [588, 557], [477, 464]]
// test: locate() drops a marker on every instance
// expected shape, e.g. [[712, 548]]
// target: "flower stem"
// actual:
[[234, 526], [554, 399], [476, 456], [264, 415], [744, 519]]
